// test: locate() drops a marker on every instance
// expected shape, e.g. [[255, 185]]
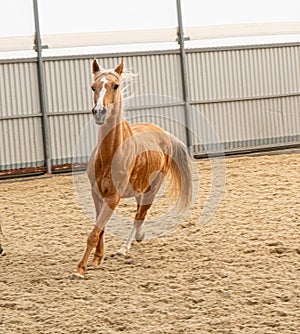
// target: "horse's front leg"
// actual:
[[92, 242], [93, 239], [99, 252]]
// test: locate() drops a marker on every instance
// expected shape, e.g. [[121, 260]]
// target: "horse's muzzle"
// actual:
[[100, 115]]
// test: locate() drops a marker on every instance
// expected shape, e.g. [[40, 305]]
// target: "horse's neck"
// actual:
[[112, 134], [117, 132]]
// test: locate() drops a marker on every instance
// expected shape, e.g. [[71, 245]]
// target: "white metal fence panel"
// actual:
[[248, 96], [241, 98], [243, 73], [20, 122]]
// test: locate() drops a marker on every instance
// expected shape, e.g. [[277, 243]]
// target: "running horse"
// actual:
[[128, 161]]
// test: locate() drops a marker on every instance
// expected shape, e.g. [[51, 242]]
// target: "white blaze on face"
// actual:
[[101, 95]]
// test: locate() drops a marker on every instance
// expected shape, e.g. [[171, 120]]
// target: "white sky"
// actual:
[[73, 16]]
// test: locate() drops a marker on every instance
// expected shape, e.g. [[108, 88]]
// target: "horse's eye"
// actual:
[[116, 87], [93, 88]]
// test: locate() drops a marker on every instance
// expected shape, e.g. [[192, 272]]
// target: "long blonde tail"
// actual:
[[180, 175]]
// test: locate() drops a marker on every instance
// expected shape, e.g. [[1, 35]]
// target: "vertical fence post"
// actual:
[[187, 109], [45, 126]]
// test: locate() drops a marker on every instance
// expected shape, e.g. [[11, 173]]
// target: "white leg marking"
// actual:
[[140, 233], [135, 233], [127, 244]]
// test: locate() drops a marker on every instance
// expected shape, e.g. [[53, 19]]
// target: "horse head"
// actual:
[[106, 88]]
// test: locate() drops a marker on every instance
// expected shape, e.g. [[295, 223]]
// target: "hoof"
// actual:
[[95, 263], [76, 277], [120, 252], [93, 266]]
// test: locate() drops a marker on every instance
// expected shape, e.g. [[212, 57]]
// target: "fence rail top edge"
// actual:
[[149, 52]]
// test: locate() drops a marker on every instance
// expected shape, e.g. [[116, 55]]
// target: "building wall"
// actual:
[[20, 130], [249, 95], [240, 98]]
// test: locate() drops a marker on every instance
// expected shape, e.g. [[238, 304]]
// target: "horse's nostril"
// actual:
[[93, 111], [103, 111]]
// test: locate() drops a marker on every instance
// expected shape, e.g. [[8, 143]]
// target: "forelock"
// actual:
[[99, 75]]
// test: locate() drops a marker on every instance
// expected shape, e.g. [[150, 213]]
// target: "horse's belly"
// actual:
[[130, 193]]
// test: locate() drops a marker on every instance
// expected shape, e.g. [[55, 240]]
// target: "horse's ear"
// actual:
[[96, 67], [119, 68]]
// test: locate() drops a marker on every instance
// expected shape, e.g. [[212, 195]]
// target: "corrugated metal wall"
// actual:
[[250, 96], [242, 97], [20, 118], [68, 99]]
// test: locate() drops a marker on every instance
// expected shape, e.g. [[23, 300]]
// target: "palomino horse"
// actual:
[[129, 161]]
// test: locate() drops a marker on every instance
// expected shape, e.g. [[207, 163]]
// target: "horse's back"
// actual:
[[145, 127], [152, 135]]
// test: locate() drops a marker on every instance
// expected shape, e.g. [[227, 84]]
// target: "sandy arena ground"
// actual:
[[239, 272]]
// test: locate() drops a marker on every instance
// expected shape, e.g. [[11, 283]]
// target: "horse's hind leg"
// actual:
[[144, 203], [138, 222], [137, 231]]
